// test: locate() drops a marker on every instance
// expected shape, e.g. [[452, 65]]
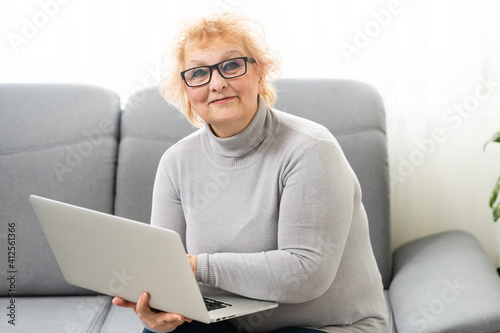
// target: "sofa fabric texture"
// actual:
[[58, 141], [74, 143]]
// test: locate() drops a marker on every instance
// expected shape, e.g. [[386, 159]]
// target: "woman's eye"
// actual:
[[231, 65], [199, 72]]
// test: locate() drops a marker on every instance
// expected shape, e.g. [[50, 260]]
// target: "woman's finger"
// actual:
[[118, 301], [143, 304]]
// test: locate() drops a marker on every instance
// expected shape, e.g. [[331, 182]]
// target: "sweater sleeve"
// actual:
[[167, 209], [320, 193]]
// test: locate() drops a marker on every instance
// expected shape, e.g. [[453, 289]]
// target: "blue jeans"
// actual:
[[225, 327]]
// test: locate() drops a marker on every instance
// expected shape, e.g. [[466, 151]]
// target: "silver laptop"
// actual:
[[120, 257]]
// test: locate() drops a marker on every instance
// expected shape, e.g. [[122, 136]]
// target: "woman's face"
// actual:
[[228, 105]]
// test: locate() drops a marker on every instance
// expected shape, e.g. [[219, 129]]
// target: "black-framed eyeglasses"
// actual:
[[228, 69]]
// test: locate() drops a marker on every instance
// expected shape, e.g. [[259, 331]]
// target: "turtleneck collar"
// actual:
[[245, 141]]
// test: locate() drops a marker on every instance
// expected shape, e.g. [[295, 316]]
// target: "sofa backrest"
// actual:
[[59, 141], [354, 114], [149, 127], [352, 111]]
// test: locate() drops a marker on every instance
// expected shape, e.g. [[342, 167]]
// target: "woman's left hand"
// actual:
[[193, 260], [163, 321]]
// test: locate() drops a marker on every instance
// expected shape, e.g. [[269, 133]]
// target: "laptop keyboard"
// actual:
[[213, 304]]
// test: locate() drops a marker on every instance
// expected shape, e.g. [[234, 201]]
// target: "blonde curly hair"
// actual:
[[231, 28]]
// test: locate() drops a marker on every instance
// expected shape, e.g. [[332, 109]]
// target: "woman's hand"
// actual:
[[163, 321], [193, 260]]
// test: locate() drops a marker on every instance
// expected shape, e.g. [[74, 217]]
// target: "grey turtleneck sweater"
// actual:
[[275, 213]]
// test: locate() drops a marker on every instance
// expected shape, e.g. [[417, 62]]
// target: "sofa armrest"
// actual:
[[444, 283]]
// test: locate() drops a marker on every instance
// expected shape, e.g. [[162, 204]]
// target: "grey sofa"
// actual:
[[74, 143]]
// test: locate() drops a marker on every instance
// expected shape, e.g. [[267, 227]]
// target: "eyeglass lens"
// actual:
[[228, 69]]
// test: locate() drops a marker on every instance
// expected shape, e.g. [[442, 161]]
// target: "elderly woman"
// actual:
[[286, 222]]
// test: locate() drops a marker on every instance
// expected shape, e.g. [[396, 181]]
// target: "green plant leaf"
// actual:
[[494, 194], [496, 212], [494, 138]]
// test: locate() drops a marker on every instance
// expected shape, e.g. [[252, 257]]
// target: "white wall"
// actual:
[[429, 60]]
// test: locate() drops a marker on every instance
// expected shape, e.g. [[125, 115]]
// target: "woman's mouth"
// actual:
[[222, 100]]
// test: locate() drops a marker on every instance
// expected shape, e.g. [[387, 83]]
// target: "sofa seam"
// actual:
[[57, 144], [101, 318], [158, 139]]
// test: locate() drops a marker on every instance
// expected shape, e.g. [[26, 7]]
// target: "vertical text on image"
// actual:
[[11, 272]]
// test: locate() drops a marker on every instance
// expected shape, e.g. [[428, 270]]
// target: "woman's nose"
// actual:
[[217, 82]]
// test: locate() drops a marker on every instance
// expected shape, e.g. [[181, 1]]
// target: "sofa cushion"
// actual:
[[444, 283], [58, 141], [56, 314], [354, 113], [149, 127]]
